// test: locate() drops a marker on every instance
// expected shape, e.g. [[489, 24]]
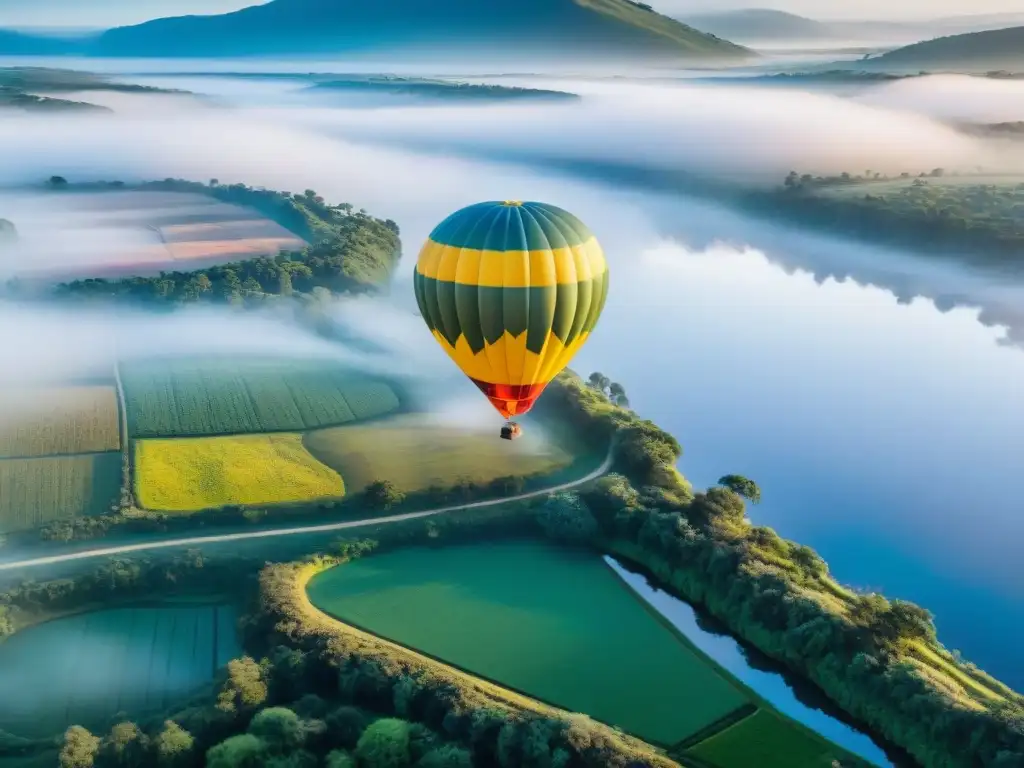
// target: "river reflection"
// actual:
[[770, 685], [886, 435]]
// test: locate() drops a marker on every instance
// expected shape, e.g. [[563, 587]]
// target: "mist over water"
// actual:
[[884, 431]]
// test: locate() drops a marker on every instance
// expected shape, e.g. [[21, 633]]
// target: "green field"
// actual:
[[87, 668], [554, 623], [38, 491], [189, 474], [765, 740], [48, 421], [194, 398], [415, 453]]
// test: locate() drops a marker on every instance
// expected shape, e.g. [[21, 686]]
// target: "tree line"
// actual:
[[777, 595], [349, 251], [978, 221]]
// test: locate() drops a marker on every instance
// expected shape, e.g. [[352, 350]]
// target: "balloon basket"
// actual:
[[511, 431]]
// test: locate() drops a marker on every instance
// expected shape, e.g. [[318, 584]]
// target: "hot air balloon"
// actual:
[[511, 291]]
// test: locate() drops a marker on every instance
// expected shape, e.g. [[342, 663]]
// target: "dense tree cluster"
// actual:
[[311, 732], [980, 221], [778, 596], [483, 724], [614, 391], [118, 578], [349, 251]]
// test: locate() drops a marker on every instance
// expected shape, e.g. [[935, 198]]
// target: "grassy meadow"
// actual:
[[186, 475], [86, 668], [50, 421], [765, 740], [195, 398], [37, 491], [553, 623], [415, 453]]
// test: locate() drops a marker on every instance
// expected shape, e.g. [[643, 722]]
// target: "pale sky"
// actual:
[[106, 13]]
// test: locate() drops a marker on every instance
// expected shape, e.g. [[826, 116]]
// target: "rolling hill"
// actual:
[[760, 24], [527, 27], [20, 44], [974, 51]]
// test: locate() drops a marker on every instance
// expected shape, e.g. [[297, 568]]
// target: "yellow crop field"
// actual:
[[49, 421], [190, 474], [414, 453]]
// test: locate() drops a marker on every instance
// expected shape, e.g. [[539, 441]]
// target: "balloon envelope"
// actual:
[[511, 290]]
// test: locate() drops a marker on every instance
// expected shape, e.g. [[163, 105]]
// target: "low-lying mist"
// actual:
[[751, 132]]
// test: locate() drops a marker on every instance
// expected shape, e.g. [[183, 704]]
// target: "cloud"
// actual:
[[951, 97], [731, 130]]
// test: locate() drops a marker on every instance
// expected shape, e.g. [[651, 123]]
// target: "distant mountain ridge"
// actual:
[[751, 25], [760, 24], [993, 49], [287, 27]]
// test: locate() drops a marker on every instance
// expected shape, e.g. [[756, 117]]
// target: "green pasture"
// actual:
[[553, 623], [202, 397]]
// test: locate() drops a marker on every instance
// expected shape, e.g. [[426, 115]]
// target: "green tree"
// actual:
[[173, 746], [284, 283], [340, 759], [245, 686], [126, 747], [345, 725], [566, 517], [79, 748], [599, 381], [279, 728], [446, 756], [744, 486], [383, 494], [242, 751], [809, 561], [385, 744]]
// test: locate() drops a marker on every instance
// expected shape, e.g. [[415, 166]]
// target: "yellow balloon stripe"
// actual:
[[537, 369], [511, 269]]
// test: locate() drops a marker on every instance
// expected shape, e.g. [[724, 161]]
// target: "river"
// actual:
[[888, 436], [886, 433], [770, 685]]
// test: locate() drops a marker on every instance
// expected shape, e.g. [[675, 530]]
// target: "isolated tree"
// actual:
[[214, 182], [599, 381], [744, 486], [383, 494], [616, 390], [792, 180], [58, 181], [173, 746], [79, 748]]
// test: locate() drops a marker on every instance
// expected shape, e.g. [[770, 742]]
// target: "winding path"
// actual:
[[273, 533]]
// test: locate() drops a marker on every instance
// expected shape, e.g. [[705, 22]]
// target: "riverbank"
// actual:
[[861, 650]]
